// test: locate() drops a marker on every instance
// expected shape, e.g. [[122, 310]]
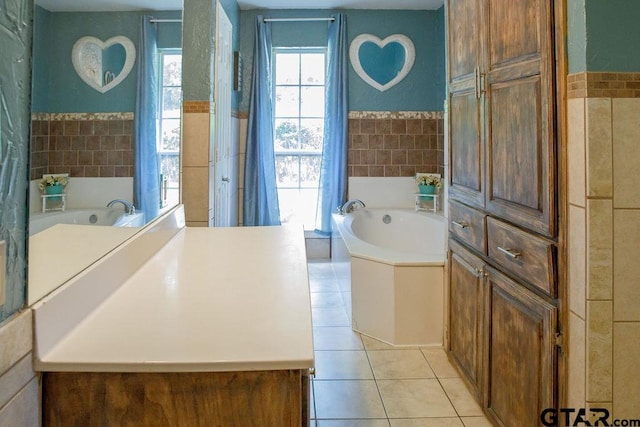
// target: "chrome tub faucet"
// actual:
[[349, 206], [128, 206]]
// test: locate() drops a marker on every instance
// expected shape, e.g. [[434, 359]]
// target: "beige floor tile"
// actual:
[[399, 364], [346, 300], [427, 422], [323, 285], [326, 299], [374, 344], [415, 398], [439, 362], [312, 400], [342, 365], [329, 316], [476, 422], [348, 399], [353, 423], [336, 338], [320, 269], [463, 401]]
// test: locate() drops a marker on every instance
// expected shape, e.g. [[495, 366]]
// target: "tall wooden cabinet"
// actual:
[[503, 216]]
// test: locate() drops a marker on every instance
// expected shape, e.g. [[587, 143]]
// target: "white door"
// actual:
[[222, 143]]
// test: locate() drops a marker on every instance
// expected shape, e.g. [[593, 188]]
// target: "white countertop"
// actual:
[[212, 299]]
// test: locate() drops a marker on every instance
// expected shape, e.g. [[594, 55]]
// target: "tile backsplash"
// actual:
[[82, 144], [395, 144]]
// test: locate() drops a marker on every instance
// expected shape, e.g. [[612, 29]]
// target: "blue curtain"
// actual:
[[260, 192], [146, 175], [333, 171]]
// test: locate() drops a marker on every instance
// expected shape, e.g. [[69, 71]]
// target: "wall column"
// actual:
[[198, 23]]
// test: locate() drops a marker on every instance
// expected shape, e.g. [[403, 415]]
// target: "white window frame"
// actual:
[[160, 120], [299, 153]]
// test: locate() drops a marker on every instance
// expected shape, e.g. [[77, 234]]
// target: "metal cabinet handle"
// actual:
[[225, 179], [477, 82], [510, 252], [460, 224]]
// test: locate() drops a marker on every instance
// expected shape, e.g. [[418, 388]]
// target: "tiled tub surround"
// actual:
[[82, 144], [603, 231], [381, 144], [395, 144]]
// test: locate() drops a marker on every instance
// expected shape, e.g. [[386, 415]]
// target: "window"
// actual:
[[169, 101], [299, 130]]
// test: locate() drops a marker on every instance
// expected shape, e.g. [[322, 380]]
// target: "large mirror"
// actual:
[[84, 132]]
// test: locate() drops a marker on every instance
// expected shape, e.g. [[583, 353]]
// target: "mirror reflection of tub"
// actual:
[[62, 244]]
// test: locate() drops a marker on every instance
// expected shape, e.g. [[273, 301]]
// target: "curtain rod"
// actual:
[[165, 20], [297, 19]]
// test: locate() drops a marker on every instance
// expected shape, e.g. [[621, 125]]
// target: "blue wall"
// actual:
[[57, 87], [422, 90], [603, 35]]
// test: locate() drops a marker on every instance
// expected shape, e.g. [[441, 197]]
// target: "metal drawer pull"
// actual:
[[509, 252], [460, 224]]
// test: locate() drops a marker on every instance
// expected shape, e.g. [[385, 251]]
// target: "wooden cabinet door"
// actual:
[[465, 313], [520, 100], [520, 353], [465, 112], [463, 42]]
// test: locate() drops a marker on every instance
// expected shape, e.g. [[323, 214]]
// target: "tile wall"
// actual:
[[394, 144], [197, 126], [604, 228], [19, 385], [197, 134], [82, 144]]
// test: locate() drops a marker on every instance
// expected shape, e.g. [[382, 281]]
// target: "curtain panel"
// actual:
[[333, 170], [146, 174], [260, 190]]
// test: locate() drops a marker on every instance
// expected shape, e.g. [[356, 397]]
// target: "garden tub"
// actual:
[[397, 259]]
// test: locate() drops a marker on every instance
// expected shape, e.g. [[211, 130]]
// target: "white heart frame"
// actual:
[[404, 41], [84, 56]]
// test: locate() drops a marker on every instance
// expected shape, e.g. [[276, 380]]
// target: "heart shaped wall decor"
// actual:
[[103, 65], [382, 63]]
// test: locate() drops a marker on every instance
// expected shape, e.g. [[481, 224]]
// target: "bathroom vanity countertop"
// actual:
[[212, 299]]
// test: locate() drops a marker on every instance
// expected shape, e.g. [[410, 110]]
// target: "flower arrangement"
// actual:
[[51, 180], [426, 179]]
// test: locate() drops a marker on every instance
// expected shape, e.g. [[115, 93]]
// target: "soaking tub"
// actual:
[[95, 216], [397, 262]]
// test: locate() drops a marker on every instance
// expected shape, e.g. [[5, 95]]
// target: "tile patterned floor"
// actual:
[[362, 382]]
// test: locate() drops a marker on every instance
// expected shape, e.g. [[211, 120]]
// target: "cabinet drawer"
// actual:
[[468, 225], [527, 256]]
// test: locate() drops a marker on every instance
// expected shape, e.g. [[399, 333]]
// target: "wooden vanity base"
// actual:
[[251, 398]]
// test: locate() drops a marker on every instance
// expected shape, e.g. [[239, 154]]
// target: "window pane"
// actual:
[[172, 70], [170, 168], [310, 171], [311, 134], [287, 171], [312, 104], [170, 135], [312, 68], [287, 68], [298, 206], [171, 102], [287, 101], [286, 134]]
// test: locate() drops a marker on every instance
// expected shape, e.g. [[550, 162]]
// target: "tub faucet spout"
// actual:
[[349, 206], [128, 206]]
